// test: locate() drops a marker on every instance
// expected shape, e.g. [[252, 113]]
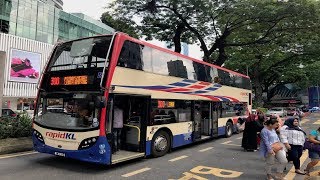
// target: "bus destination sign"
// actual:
[[69, 80], [166, 104]]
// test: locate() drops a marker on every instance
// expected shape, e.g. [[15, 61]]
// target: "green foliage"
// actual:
[[14, 127], [121, 24], [223, 24], [264, 110]]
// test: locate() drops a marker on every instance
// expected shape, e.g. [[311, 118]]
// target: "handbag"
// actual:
[[276, 147], [311, 146]]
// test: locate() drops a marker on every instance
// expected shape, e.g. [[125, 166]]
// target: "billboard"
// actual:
[[24, 66]]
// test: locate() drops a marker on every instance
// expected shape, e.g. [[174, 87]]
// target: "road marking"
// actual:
[[17, 155], [177, 158], [227, 142], [136, 172], [206, 149], [234, 145], [317, 122], [291, 174], [239, 138]]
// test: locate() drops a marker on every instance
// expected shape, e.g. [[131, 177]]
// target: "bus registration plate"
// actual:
[[60, 154]]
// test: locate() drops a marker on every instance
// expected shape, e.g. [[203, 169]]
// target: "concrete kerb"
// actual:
[[14, 145]]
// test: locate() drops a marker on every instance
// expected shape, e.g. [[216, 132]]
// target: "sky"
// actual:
[[94, 9]]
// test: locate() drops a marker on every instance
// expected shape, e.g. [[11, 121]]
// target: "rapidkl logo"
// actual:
[[61, 135]]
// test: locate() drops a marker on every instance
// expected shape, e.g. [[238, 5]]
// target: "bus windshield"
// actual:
[[84, 53], [70, 111]]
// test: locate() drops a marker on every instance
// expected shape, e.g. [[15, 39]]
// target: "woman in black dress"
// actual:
[[249, 139]]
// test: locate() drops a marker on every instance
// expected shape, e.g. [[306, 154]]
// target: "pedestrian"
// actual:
[[260, 125], [314, 137], [117, 126], [249, 139], [293, 137], [272, 149]]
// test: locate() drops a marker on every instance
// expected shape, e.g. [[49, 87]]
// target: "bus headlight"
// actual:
[[87, 143], [38, 136]]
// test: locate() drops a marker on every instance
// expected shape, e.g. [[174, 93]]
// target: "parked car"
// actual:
[[280, 111], [8, 112], [314, 109]]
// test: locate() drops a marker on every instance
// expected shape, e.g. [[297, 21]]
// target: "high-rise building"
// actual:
[[28, 30], [45, 21], [185, 49]]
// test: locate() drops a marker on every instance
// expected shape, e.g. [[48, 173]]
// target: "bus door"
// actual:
[[215, 116], [202, 119], [130, 135]]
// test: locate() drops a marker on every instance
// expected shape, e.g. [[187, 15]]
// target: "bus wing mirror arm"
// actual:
[[101, 102]]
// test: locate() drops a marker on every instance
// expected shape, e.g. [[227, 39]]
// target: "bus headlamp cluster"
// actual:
[[38, 136], [87, 143], [101, 148]]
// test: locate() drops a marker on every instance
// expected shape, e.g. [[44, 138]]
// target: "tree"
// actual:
[[121, 24], [217, 24], [278, 63]]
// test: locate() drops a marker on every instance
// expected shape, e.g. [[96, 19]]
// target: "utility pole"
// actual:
[[2, 64], [318, 95]]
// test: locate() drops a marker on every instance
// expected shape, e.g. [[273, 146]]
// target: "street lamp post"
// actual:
[[318, 94]]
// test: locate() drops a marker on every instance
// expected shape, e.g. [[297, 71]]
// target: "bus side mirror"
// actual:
[[101, 102]]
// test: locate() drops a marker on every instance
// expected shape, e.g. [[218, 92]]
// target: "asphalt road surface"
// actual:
[[214, 159]]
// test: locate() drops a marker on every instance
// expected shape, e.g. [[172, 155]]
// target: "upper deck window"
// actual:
[[85, 53]]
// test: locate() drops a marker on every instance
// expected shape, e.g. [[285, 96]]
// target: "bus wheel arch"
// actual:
[[229, 128], [239, 123], [161, 142]]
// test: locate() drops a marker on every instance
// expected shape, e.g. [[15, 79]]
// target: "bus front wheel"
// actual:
[[160, 144], [229, 128]]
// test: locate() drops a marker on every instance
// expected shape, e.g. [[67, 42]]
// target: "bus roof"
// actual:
[[167, 51]]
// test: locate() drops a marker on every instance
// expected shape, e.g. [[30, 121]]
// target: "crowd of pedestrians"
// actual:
[[280, 142]]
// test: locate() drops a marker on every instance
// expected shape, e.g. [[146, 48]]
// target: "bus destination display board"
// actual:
[[69, 80]]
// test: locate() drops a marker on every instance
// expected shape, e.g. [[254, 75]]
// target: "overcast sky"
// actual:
[[94, 9]]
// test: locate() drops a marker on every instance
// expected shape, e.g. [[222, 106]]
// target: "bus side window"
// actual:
[[131, 56]]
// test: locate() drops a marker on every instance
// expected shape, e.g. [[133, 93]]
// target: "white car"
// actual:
[[314, 109], [280, 111]]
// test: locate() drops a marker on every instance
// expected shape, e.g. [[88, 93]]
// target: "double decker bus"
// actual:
[[111, 98]]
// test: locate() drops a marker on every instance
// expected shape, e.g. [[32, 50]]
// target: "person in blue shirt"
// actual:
[[269, 137], [314, 137]]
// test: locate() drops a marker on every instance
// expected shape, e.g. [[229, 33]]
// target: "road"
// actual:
[[215, 159]]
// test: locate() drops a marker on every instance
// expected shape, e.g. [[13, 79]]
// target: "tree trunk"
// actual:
[[222, 57], [177, 38], [257, 86], [258, 95]]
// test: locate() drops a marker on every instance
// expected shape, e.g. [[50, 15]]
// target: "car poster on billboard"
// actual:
[[24, 66]]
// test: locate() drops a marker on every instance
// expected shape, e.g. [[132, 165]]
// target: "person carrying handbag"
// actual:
[[314, 137], [293, 138], [272, 149]]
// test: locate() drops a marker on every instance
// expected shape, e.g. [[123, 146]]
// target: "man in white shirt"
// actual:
[[117, 127]]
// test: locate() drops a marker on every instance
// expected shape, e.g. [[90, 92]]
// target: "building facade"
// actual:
[[28, 30], [45, 21]]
